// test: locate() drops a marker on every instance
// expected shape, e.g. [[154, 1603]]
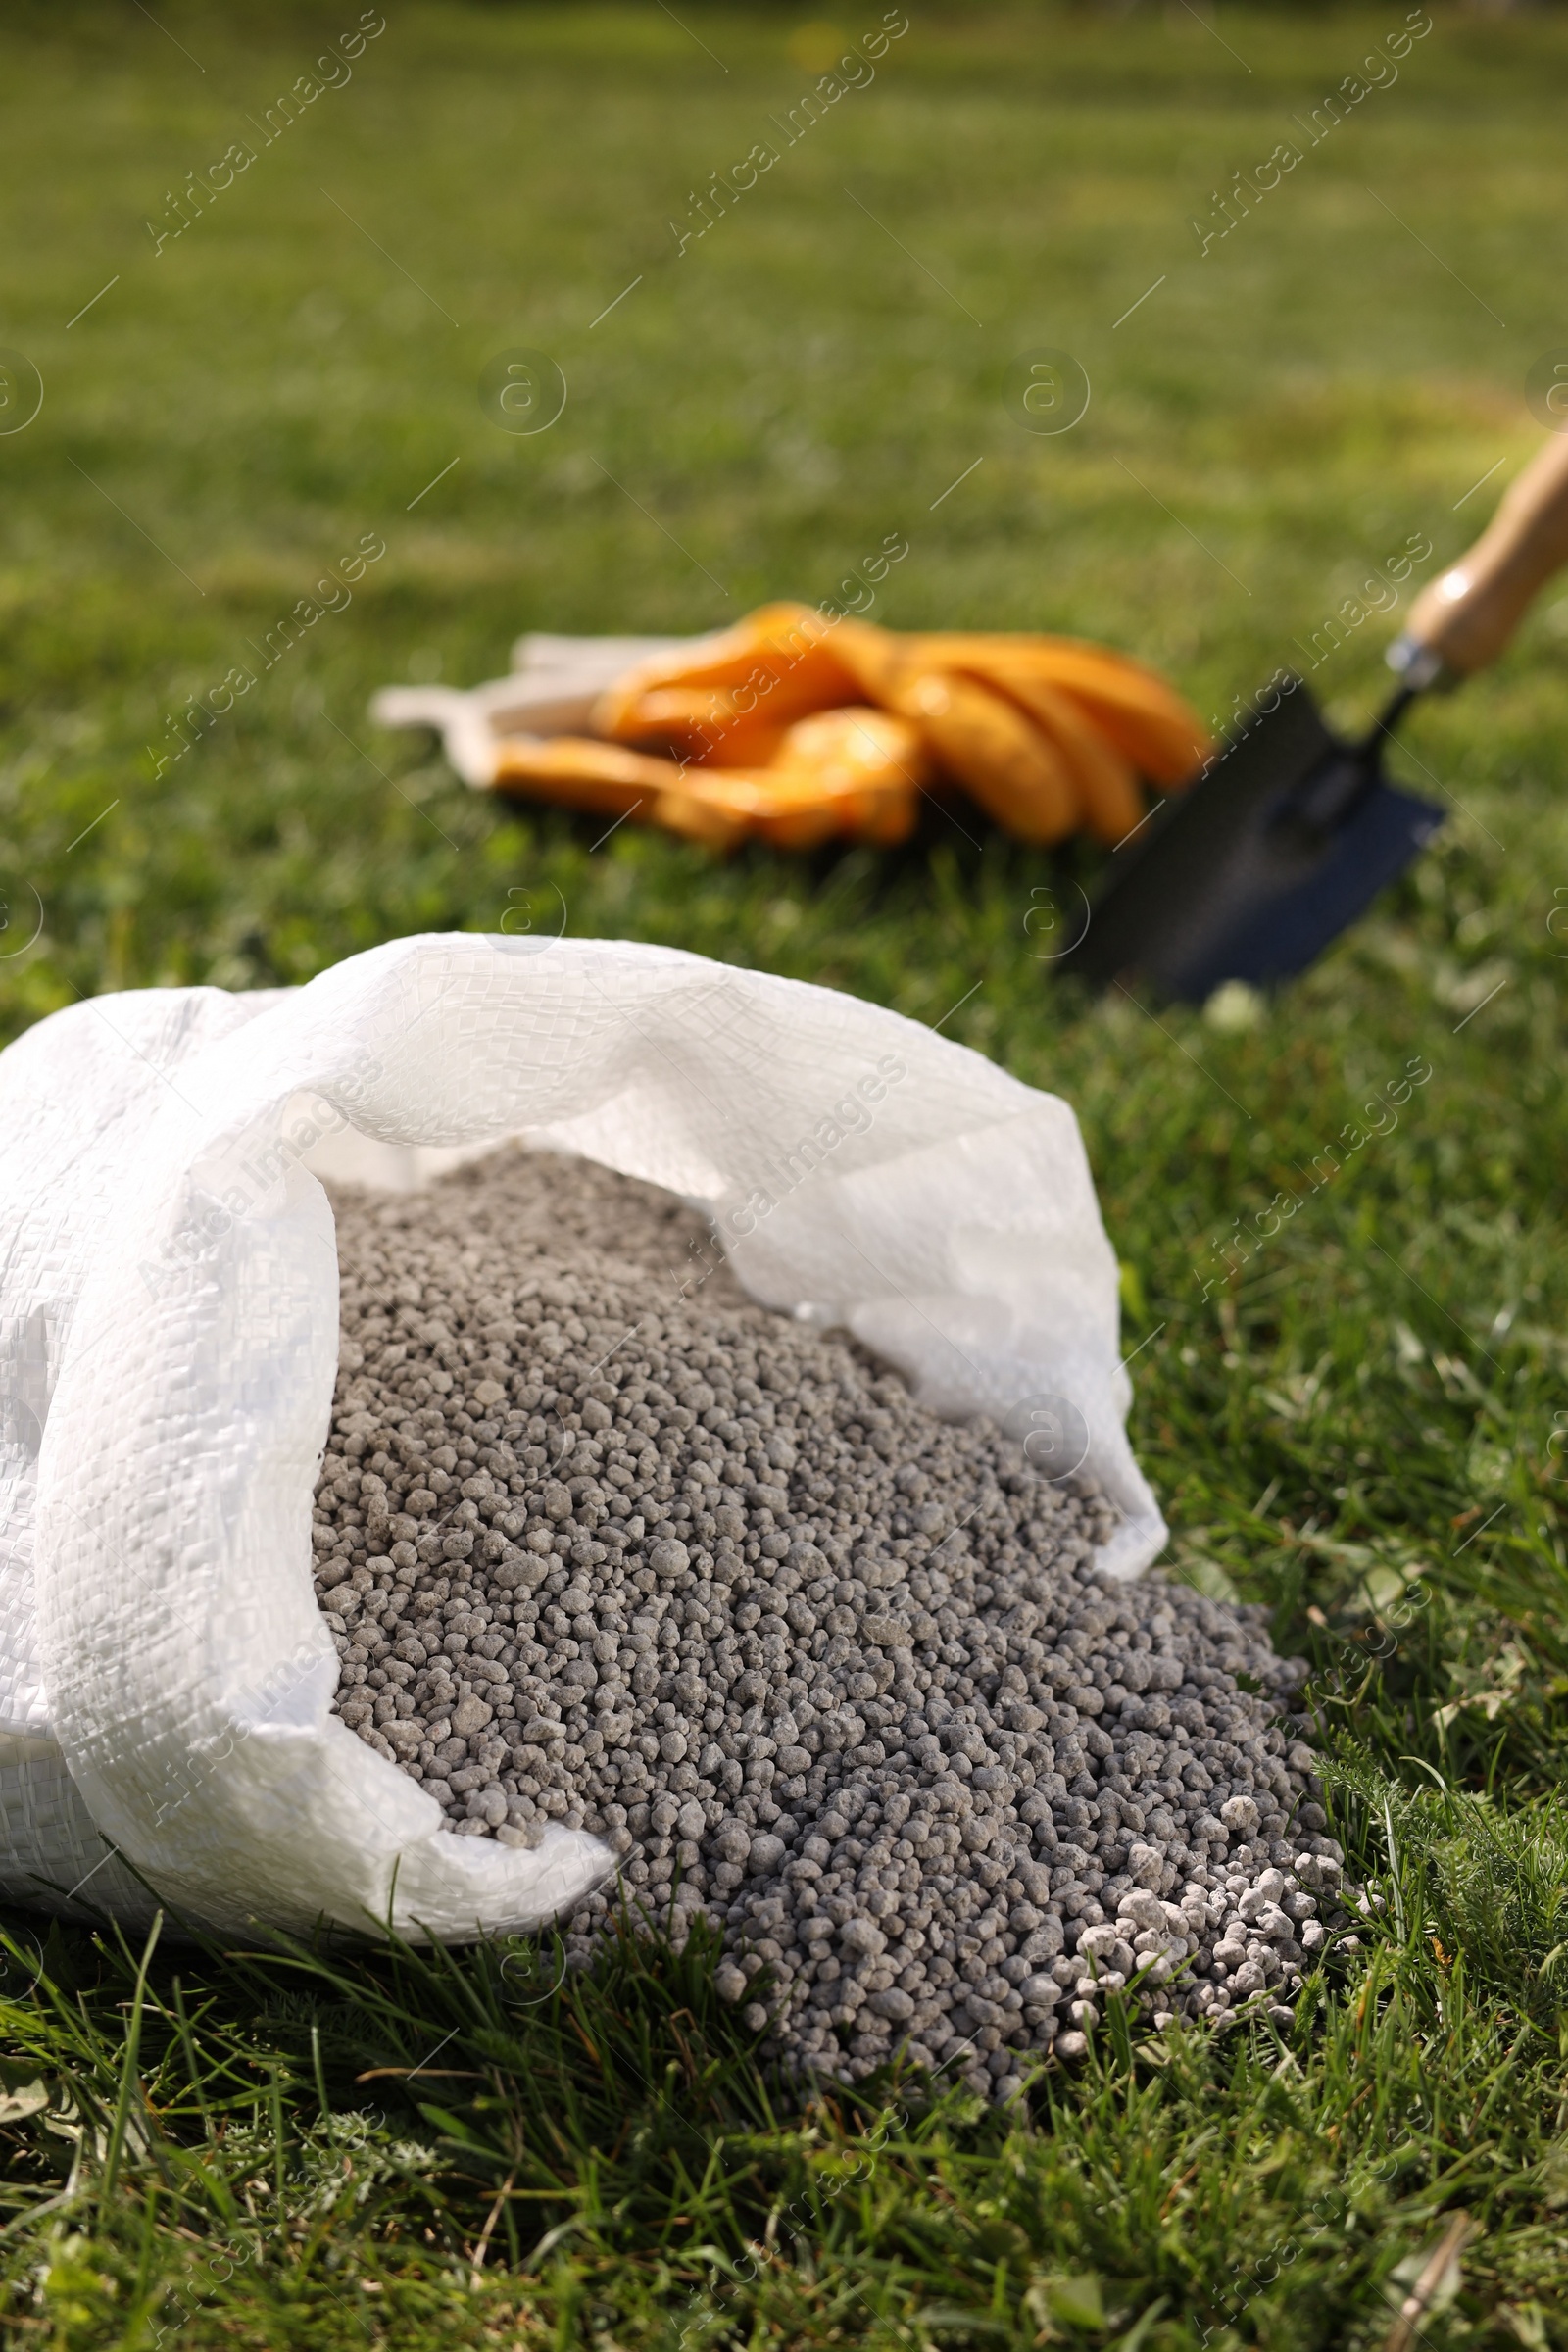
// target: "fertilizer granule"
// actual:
[[603, 1541]]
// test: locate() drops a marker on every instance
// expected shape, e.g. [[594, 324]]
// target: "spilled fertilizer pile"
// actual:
[[604, 1542]]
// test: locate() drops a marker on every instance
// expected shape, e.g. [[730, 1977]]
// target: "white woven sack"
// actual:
[[169, 1346]]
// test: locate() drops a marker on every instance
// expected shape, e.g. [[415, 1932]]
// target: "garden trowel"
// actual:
[[1289, 832]]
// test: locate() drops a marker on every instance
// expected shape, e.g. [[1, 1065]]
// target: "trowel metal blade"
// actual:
[[1281, 842]]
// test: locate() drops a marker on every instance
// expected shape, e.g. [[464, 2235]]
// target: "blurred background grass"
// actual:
[[1360, 1427]]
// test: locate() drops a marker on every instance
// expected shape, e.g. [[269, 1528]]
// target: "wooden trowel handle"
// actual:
[[1468, 615]]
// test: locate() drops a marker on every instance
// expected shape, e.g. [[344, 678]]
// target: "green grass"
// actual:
[[1359, 1428]]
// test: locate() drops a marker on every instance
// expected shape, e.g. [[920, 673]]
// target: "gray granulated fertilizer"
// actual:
[[603, 1541]]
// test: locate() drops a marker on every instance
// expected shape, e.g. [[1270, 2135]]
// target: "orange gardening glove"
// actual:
[[795, 727], [854, 772]]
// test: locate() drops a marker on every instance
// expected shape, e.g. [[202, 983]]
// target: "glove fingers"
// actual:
[[847, 770], [600, 776], [1106, 787], [574, 772], [1146, 720], [995, 752]]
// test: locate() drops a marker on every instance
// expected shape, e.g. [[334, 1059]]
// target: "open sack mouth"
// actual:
[[180, 1257]]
